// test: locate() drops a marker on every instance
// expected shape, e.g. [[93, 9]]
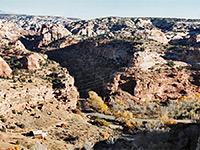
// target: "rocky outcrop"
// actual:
[[145, 60], [18, 45], [32, 61], [52, 33], [68, 93], [154, 86], [164, 86], [10, 31], [4, 42], [152, 34], [17, 99], [4, 68]]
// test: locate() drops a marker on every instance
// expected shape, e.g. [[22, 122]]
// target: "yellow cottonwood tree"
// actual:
[[97, 102]]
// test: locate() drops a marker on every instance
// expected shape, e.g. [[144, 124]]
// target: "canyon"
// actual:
[[146, 67]]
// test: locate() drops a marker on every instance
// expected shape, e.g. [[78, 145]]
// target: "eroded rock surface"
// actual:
[[152, 34], [4, 68], [32, 61], [49, 34], [146, 60]]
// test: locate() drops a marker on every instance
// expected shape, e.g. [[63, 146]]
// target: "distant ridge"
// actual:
[[14, 17], [4, 12]]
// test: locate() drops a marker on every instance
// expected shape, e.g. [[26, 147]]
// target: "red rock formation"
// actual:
[[4, 68], [155, 86]]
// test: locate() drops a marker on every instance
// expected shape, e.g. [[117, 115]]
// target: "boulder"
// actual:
[[32, 61], [4, 68]]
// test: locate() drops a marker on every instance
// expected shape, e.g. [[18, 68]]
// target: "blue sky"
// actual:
[[87, 9]]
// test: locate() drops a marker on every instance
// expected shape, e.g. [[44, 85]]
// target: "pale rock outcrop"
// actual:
[[10, 31], [70, 91], [4, 42], [152, 34], [87, 32], [52, 33], [18, 45], [17, 99], [32, 61], [145, 60], [39, 147], [4, 68]]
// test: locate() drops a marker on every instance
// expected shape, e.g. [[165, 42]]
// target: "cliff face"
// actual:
[[147, 70], [153, 86]]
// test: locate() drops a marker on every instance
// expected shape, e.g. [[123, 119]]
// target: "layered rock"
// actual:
[[154, 86], [4, 68]]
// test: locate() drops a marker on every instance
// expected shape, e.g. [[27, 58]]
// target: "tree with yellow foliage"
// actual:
[[97, 103], [15, 148]]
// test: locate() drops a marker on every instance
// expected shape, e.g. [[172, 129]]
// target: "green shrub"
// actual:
[[3, 129], [22, 126], [54, 69], [3, 120], [15, 71], [20, 113], [30, 81], [14, 111], [12, 127], [170, 64]]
